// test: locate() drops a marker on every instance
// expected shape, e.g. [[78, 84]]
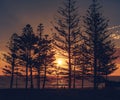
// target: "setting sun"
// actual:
[[59, 61], [47, 46]]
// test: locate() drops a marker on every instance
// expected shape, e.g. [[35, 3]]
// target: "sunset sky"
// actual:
[[15, 14]]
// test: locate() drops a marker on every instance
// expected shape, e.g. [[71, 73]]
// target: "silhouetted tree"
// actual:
[[68, 30], [17, 75], [26, 48], [85, 62], [39, 50], [48, 57], [11, 58], [81, 62], [44, 55], [97, 40]]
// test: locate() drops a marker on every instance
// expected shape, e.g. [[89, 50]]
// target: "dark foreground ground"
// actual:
[[59, 94]]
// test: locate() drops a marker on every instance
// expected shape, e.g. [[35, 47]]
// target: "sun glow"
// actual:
[[59, 61]]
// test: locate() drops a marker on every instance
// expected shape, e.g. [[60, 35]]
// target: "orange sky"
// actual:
[[61, 62], [15, 15]]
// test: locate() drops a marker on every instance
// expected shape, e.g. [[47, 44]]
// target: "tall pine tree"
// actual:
[[39, 53], [27, 44], [44, 55], [68, 30], [97, 40], [11, 58]]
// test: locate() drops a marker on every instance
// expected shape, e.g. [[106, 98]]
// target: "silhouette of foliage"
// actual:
[[27, 41], [68, 30], [89, 54], [39, 49], [11, 58], [97, 40], [44, 54]]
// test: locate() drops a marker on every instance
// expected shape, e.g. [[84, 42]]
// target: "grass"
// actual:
[[59, 94]]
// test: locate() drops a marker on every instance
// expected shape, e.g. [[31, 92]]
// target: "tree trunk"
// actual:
[[82, 81], [12, 76], [69, 72], [69, 47], [17, 78], [31, 76], [95, 65], [74, 82], [83, 73], [38, 78], [44, 80], [26, 84]]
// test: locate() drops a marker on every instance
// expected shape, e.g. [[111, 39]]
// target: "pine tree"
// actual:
[[48, 57], [11, 58], [97, 40], [44, 55], [27, 44], [68, 30], [39, 49]]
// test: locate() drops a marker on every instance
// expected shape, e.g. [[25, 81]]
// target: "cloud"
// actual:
[[15, 14], [115, 36]]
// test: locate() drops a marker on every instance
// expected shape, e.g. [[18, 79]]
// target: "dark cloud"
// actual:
[[15, 14]]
